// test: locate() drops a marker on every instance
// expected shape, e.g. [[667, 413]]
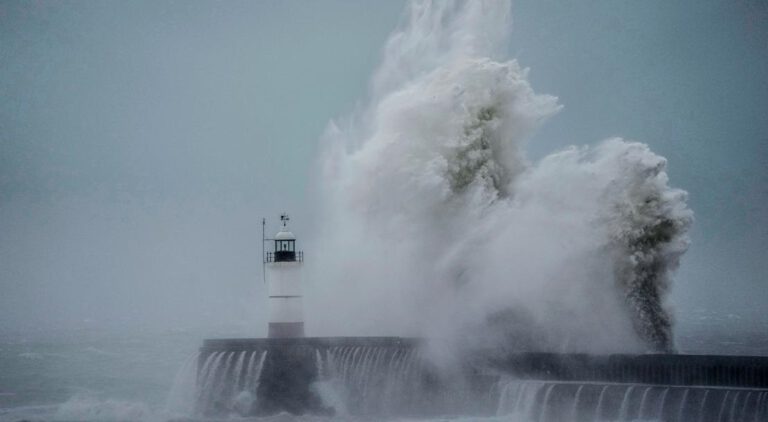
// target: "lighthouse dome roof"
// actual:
[[284, 235]]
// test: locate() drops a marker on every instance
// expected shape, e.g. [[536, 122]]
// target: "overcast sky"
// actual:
[[141, 142]]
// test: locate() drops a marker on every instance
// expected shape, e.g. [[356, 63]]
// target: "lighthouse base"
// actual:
[[286, 329]]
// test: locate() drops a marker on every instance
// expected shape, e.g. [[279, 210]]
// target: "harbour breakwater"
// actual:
[[392, 376]]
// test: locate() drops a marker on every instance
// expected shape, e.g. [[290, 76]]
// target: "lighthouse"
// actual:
[[283, 263]]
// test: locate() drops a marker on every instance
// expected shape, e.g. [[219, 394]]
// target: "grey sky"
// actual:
[[141, 142]]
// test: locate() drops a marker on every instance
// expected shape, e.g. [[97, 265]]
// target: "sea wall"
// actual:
[[284, 372], [661, 369], [393, 376]]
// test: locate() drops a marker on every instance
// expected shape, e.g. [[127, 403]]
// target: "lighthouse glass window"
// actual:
[[284, 246]]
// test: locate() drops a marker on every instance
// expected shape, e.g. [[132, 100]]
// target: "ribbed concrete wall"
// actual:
[[290, 368], [662, 369], [291, 365]]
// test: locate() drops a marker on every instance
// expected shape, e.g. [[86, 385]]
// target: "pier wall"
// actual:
[[380, 375]]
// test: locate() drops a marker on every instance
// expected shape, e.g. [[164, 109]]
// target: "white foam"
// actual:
[[85, 408], [436, 224]]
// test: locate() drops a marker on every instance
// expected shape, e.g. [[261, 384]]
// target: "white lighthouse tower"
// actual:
[[286, 314]]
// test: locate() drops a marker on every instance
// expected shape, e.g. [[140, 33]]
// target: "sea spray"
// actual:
[[649, 222], [449, 231], [181, 397]]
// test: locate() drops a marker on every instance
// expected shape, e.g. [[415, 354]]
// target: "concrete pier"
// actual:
[[376, 375], [661, 369]]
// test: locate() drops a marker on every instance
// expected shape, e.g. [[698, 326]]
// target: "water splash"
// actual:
[[239, 370], [575, 409], [373, 379], [88, 408], [599, 411], [458, 236], [574, 401], [643, 403], [181, 397], [384, 381], [226, 385]]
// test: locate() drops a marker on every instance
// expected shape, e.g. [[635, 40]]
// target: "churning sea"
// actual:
[[93, 375]]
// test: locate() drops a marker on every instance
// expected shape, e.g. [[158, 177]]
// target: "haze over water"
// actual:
[[449, 204]]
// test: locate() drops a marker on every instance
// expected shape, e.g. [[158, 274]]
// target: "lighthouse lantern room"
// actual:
[[286, 315]]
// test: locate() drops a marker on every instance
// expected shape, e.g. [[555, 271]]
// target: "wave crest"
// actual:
[[447, 230]]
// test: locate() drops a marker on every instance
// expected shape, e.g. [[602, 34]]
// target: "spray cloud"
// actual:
[[434, 222]]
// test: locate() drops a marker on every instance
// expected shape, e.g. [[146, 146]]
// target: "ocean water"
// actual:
[[92, 375], [89, 374]]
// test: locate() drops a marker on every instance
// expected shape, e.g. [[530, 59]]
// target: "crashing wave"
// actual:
[[449, 231]]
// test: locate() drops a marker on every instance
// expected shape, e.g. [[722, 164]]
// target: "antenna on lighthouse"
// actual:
[[263, 252]]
